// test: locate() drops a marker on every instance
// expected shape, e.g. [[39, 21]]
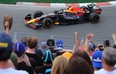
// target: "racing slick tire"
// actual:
[[47, 23], [37, 14], [94, 18]]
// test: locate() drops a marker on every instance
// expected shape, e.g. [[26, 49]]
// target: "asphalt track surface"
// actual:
[[102, 30]]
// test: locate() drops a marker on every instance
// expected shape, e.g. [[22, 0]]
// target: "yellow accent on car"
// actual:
[[31, 21], [56, 23]]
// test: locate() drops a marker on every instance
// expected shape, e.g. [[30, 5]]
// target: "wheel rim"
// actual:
[[48, 24]]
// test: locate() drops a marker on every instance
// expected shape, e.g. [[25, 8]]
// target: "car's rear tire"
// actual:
[[47, 23], [37, 14], [94, 18]]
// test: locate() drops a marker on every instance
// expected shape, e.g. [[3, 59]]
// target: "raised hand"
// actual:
[[7, 22]]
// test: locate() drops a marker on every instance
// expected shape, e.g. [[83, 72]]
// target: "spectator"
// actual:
[[35, 60], [43, 47], [6, 50], [106, 43], [97, 60], [51, 44], [78, 65], [100, 47], [91, 46], [13, 58], [24, 40], [46, 68], [84, 55], [48, 59], [19, 49], [108, 61], [59, 64], [78, 43], [114, 39], [59, 45], [87, 45]]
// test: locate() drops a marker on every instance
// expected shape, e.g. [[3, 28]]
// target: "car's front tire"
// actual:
[[47, 23]]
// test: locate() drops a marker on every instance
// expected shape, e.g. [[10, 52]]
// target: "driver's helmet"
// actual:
[[69, 8]]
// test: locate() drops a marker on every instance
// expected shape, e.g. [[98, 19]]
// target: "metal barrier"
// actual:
[[68, 41]]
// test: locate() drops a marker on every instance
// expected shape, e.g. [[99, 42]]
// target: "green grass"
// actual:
[[51, 1], [8, 1]]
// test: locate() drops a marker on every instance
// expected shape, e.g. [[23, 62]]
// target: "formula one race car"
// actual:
[[63, 17]]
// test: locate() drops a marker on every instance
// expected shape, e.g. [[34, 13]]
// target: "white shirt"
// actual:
[[12, 71], [102, 71]]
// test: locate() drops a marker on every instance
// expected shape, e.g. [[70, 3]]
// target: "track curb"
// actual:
[[102, 4]]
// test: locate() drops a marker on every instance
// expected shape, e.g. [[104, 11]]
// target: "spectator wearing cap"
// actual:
[[47, 59], [19, 49], [5, 53], [51, 44], [59, 47], [59, 64], [108, 61], [97, 60], [59, 44], [35, 59], [6, 49], [100, 47]]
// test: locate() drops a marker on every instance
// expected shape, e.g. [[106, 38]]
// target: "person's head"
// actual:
[[5, 47], [51, 44], [43, 45], [97, 60], [32, 42], [59, 64], [100, 47], [84, 55], [24, 40], [78, 65], [109, 57], [107, 43], [91, 46], [19, 48], [48, 58], [59, 44]]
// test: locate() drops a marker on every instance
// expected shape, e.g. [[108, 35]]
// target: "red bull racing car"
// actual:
[[72, 15]]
